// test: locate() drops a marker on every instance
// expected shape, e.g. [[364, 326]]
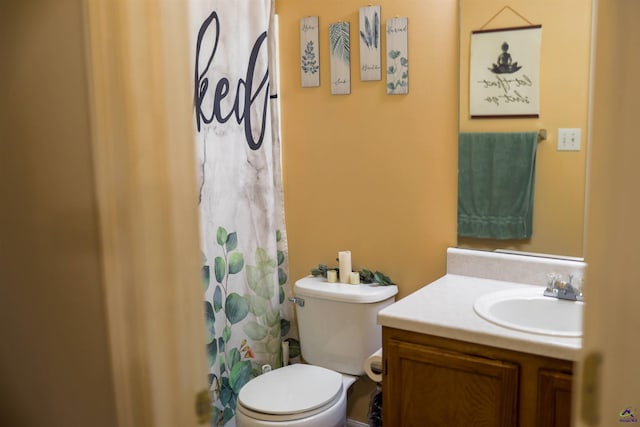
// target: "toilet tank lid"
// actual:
[[318, 287]]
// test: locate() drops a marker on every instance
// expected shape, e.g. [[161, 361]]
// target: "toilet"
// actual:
[[338, 330]]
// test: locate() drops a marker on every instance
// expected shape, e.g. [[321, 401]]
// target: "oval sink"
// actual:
[[529, 311]]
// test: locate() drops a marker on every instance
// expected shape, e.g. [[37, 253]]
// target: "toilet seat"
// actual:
[[290, 393]]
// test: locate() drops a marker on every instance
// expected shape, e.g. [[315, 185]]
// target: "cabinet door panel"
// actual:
[[554, 399], [428, 386]]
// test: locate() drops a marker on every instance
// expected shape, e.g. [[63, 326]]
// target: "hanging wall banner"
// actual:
[[505, 72], [397, 56], [370, 66], [340, 48], [309, 52]]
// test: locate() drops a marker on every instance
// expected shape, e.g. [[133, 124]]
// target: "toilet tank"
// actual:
[[338, 322]]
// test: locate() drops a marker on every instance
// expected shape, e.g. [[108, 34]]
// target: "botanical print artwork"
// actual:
[[397, 56], [505, 72], [309, 52], [340, 48], [370, 68]]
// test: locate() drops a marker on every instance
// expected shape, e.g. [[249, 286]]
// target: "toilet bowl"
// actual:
[[296, 395], [338, 331]]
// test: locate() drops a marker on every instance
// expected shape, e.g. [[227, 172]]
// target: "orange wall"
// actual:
[[370, 172], [564, 91]]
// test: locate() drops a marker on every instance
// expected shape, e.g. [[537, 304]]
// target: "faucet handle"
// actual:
[[563, 289], [551, 289], [578, 286], [552, 278]]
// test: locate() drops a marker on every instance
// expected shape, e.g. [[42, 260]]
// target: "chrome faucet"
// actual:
[[558, 288]]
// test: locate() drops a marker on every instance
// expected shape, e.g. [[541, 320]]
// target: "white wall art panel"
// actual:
[[370, 64], [397, 56], [309, 52], [340, 48]]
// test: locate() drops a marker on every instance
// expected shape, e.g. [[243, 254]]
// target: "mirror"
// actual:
[[565, 58]]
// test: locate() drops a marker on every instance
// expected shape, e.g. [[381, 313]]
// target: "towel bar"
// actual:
[[542, 135]]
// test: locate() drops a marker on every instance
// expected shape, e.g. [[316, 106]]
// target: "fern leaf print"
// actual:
[[340, 56], [309, 63], [339, 40], [370, 52], [368, 32], [309, 56], [364, 38], [376, 29]]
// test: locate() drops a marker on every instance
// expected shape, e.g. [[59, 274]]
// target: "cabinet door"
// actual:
[[554, 399], [430, 387]]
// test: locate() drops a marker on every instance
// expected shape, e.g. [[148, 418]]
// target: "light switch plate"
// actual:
[[569, 139]]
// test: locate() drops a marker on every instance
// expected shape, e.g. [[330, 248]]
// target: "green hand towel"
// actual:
[[496, 174]]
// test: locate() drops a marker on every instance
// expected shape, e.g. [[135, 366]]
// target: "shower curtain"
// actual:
[[243, 238]]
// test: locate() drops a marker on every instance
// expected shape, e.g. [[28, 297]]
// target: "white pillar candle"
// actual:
[[332, 276], [354, 278], [344, 259]]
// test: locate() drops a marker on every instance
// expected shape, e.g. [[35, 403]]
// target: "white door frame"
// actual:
[[145, 178]]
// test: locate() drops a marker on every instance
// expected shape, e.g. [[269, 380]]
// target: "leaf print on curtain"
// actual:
[[243, 235]]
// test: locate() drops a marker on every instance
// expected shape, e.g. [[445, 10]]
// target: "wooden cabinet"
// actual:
[[432, 381], [554, 399], [436, 387]]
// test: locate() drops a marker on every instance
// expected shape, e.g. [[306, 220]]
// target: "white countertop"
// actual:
[[444, 308]]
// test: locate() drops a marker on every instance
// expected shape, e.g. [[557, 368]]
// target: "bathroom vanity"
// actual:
[[433, 381], [444, 364]]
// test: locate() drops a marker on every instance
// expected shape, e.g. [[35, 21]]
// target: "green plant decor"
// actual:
[[366, 276], [255, 313], [309, 62], [339, 41], [370, 35], [398, 72]]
